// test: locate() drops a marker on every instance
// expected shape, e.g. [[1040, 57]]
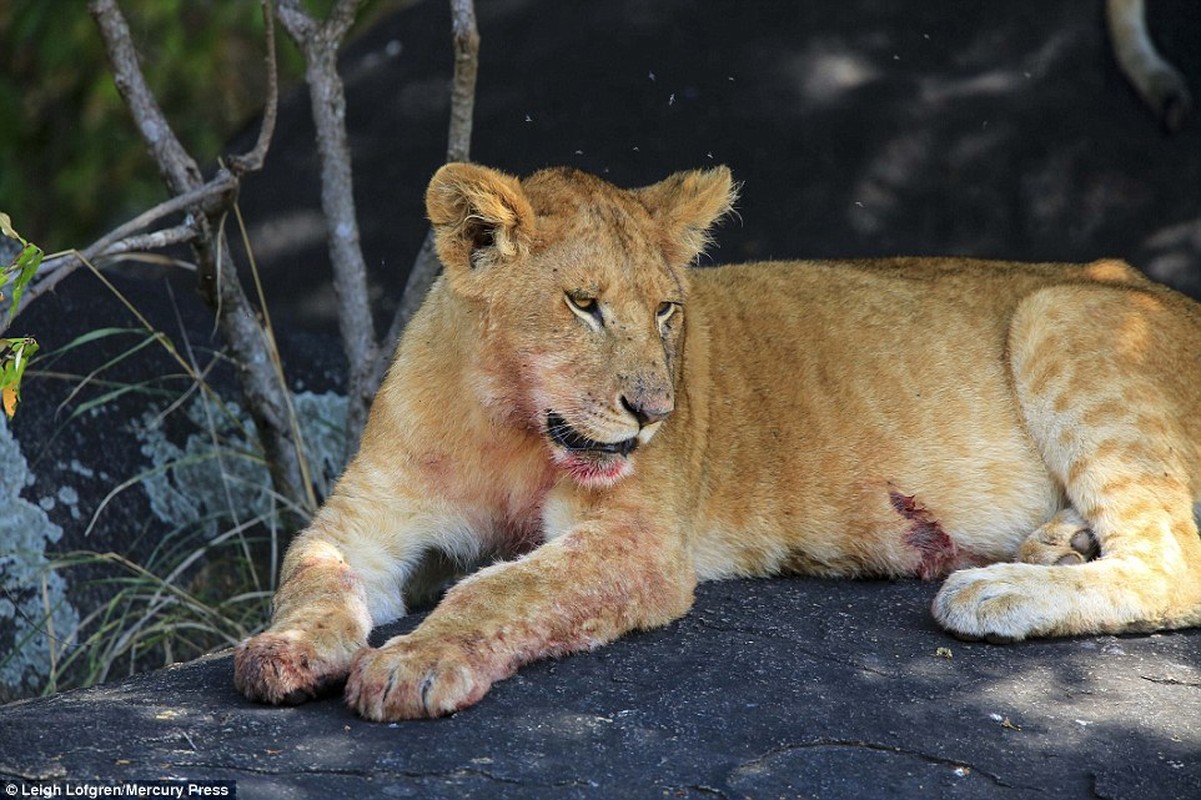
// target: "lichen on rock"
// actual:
[[37, 622]]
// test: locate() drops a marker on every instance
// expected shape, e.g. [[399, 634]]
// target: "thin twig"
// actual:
[[209, 198], [156, 240], [60, 265], [253, 161], [55, 268]]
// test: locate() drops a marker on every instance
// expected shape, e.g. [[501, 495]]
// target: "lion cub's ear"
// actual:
[[686, 205], [480, 217]]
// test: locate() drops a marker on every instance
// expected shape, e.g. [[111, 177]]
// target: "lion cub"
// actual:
[[605, 426]]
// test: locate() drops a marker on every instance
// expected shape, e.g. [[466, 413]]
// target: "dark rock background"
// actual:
[[858, 128]]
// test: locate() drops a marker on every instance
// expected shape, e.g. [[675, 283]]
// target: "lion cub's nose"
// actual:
[[647, 413]]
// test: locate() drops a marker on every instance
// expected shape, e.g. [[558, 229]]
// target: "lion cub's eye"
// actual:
[[587, 304], [665, 311], [584, 306]]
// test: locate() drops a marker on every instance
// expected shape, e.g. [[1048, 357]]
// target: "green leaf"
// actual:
[[14, 357], [28, 262], [27, 266], [21, 270]]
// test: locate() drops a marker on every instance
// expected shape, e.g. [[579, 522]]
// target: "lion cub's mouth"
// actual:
[[572, 440]]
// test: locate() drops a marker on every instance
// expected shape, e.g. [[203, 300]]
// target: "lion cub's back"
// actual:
[[918, 282], [846, 400]]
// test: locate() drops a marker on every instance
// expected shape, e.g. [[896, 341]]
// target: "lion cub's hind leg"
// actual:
[[1102, 378], [1065, 539]]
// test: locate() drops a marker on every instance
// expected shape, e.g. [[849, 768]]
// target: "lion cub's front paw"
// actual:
[[407, 679], [283, 667], [1000, 603]]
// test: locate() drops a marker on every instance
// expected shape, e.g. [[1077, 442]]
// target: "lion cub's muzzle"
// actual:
[[572, 440]]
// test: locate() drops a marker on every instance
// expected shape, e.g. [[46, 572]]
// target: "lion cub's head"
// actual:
[[579, 290]]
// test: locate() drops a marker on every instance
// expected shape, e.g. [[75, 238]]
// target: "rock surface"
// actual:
[[784, 688]]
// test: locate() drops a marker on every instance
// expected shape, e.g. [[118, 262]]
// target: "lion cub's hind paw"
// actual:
[[1065, 540], [282, 669]]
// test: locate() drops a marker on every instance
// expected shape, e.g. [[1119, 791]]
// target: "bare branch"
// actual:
[[458, 148], [462, 95], [341, 17], [178, 168], [253, 161], [59, 266], [262, 381], [320, 44], [296, 20], [145, 242], [210, 197]]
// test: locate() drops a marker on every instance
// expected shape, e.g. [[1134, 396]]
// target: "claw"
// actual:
[[427, 683]]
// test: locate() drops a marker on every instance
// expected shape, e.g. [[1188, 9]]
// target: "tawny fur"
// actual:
[[912, 417]]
